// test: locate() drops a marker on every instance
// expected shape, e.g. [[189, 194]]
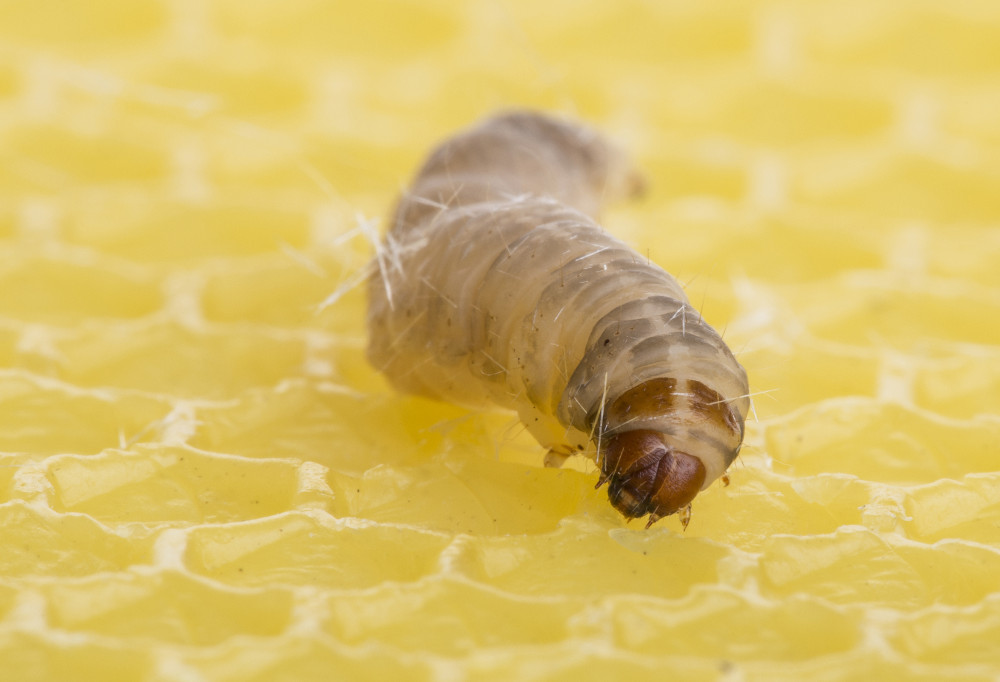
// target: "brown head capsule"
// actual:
[[647, 476], [684, 436]]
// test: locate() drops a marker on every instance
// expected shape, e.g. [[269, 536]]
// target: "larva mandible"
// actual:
[[496, 285]]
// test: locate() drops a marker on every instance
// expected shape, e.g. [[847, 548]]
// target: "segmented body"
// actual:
[[496, 285]]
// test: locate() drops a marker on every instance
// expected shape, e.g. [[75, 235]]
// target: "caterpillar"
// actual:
[[495, 285]]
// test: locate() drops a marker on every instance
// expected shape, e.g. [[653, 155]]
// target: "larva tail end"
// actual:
[[645, 475]]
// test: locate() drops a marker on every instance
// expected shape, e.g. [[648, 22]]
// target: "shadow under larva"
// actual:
[[496, 285]]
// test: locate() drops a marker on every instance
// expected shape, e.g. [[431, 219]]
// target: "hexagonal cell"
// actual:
[[607, 560], [92, 26], [852, 566], [964, 509], [246, 88], [960, 637], [340, 428], [60, 292], [295, 658], [285, 290], [961, 382], [294, 549], [902, 186], [157, 484], [169, 358], [955, 571], [147, 228], [639, 33], [787, 378], [166, 607], [75, 660], [448, 617], [62, 545], [484, 497], [922, 41], [880, 441], [99, 158], [716, 623], [46, 418], [884, 311], [402, 29]]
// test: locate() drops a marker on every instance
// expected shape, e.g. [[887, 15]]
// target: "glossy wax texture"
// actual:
[[202, 479], [496, 285]]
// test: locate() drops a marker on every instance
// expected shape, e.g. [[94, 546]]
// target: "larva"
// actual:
[[496, 285]]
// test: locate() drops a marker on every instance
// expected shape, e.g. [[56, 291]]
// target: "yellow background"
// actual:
[[201, 479]]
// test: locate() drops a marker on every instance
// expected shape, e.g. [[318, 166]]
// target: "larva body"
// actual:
[[496, 285]]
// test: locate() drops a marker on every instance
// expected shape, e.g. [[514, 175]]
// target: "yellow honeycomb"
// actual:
[[202, 480]]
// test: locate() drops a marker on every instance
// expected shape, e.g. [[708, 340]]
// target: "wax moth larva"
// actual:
[[496, 285]]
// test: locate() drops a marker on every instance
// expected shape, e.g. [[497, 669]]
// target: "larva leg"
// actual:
[[554, 459], [561, 442]]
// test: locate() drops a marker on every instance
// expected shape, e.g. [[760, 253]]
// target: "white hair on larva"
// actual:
[[496, 285]]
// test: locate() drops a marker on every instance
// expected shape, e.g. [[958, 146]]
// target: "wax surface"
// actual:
[[202, 479]]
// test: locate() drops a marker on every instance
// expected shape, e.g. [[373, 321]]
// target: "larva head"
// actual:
[[683, 437], [645, 475]]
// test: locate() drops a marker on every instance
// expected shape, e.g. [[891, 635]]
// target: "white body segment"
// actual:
[[497, 286]]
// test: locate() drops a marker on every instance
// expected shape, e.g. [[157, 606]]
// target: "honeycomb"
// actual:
[[202, 480]]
